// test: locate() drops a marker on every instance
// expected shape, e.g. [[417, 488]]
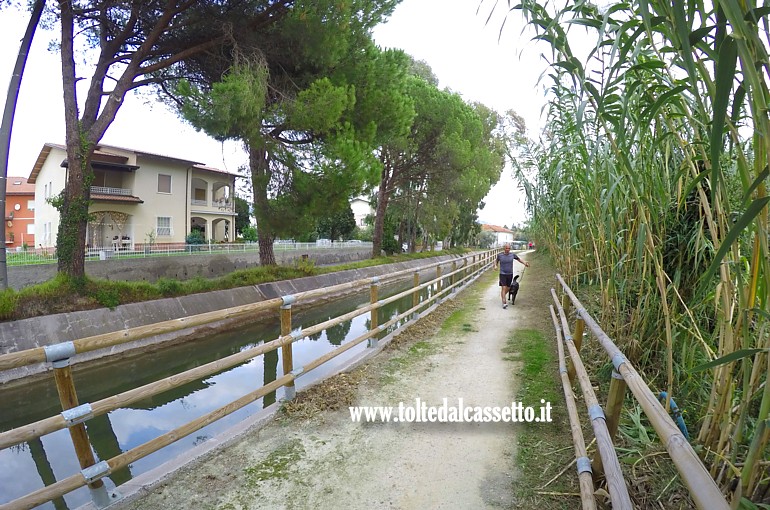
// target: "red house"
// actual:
[[19, 213]]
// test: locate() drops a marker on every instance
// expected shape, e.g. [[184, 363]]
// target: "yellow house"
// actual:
[[137, 198]]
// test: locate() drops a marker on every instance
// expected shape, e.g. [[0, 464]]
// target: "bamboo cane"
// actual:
[[702, 487], [584, 474], [612, 472]]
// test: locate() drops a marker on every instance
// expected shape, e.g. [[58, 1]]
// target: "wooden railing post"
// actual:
[[615, 397], [454, 275], [286, 350], [578, 341], [373, 298], [438, 278], [416, 294], [76, 415]]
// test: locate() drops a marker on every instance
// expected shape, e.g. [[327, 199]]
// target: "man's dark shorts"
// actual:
[[505, 280]]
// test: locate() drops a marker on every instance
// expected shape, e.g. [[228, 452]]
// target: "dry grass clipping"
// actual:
[[339, 391]]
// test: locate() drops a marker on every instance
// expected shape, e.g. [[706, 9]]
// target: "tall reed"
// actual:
[[649, 180]]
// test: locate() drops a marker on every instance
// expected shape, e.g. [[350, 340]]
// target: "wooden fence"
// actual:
[[703, 490], [75, 414]]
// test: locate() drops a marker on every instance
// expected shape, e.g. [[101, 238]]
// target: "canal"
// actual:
[[29, 466]]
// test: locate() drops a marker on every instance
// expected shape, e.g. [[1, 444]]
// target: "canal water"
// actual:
[[29, 466]]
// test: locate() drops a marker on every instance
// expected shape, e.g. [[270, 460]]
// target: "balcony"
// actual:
[[215, 206], [102, 190]]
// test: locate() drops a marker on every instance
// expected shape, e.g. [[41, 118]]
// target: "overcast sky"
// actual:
[[460, 46]]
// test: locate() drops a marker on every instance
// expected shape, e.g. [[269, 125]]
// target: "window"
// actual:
[[199, 194], [45, 190], [164, 183], [163, 226], [31, 205], [31, 228]]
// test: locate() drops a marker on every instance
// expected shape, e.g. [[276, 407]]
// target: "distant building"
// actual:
[[502, 234], [137, 197], [361, 209], [19, 213]]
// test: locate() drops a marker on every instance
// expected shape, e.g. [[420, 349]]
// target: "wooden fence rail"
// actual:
[[581, 456], [702, 488], [91, 474], [610, 465], [105, 340]]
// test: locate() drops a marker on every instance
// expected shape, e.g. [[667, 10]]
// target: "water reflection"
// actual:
[[28, 467]]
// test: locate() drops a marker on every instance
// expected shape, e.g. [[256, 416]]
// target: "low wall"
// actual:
[[181, 267], [51, 329]]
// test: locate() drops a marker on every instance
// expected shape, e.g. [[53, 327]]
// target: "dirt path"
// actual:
[[328, 461]]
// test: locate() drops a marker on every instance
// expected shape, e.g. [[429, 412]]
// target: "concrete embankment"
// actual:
[[53, 329], [183, 267]]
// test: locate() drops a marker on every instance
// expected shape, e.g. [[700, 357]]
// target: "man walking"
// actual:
[[505, 262]]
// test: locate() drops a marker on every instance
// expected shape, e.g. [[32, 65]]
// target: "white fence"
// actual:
[[127, 251]]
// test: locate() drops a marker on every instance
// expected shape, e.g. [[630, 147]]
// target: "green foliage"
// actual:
[[249, 234], [439, 172], [362, 233], [340, 225], [107, 297], [243, 216], [195, 237], [229, 109], [305, 265], [310, 145], [9, 299], [168, 287], [390, 245], [653, 161]]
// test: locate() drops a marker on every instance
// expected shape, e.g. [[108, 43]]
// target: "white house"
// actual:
[[502, 234], [361, 209], [137, 197]]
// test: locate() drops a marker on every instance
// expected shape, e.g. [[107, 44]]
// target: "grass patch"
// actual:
[[462, 320], [543, 449], [278, 465], [414, 353]]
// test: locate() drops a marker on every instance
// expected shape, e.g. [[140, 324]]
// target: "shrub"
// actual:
[[169, 287], [390, 245], [195, 237], [249, 234]]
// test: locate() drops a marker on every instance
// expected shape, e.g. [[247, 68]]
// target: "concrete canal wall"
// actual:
[[53, 329], [182, 267]]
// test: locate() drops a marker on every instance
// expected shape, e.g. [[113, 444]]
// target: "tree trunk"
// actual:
[[266, 253], [73, 210], [73, 205], [259, 163], [379, 218]]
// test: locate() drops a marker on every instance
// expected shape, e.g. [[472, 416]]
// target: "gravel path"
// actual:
[[327, 461]]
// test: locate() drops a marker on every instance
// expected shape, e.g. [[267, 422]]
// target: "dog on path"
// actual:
[[513, 289]]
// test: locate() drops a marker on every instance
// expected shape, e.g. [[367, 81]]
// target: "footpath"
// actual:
[[314, 456]]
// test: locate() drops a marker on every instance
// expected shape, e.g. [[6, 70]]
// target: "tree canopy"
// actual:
[[309, 125]]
